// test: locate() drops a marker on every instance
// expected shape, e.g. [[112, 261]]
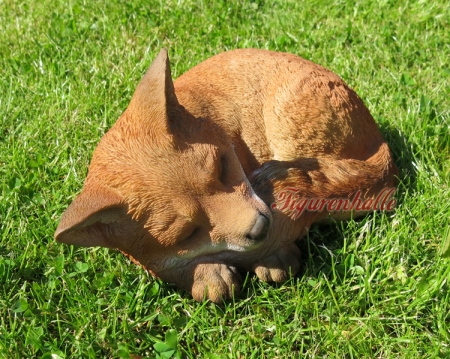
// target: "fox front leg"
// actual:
[[280, 265], [214, 281]]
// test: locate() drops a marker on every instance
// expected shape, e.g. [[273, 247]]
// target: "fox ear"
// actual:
[[154, 97], [90, 219]]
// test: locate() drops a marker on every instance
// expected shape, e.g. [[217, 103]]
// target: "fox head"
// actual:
[[164, 186]]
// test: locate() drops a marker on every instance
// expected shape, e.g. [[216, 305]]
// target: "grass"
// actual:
[[373, 288]]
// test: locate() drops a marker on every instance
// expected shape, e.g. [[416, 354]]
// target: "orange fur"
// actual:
[[184, 181]]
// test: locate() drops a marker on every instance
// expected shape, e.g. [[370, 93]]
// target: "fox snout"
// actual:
[[260, 228]]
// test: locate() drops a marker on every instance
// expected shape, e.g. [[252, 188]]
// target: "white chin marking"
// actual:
[[211, 249], [235, 248]]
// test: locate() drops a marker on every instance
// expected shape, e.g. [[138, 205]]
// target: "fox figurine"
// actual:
[[196, 180]]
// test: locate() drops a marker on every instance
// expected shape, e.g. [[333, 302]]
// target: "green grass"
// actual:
[[373, 288]]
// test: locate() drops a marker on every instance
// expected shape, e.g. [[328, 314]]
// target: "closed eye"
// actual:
[[222, 169], [190, 234]]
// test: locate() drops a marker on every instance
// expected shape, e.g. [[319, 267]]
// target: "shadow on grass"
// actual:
[[403, 154]]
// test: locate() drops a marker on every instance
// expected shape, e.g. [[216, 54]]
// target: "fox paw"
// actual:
[[279, 266], [216, 282]]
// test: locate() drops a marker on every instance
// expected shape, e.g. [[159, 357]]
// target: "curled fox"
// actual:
[[186, 182]]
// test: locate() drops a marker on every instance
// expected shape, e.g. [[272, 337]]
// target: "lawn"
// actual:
[[377, 287]]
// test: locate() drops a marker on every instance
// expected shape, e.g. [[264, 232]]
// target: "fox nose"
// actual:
[[260, 228]]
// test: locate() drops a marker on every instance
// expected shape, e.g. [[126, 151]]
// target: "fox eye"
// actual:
[[190, 234], [222, 169]]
